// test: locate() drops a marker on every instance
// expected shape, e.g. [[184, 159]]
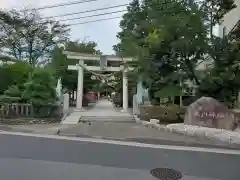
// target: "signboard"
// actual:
[[103, 62]]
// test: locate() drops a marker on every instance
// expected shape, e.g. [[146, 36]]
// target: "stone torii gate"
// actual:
[[103, 67]]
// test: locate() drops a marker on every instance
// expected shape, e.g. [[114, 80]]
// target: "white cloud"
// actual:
[[102, 32]]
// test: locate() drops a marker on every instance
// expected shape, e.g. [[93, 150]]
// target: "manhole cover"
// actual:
[[166, 174]]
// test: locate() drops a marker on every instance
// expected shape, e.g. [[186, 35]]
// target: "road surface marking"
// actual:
[[122, 143]]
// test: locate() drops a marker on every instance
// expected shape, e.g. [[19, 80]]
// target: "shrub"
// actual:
[[11, 95], [118, 100], [13, 74], [40, 88], [166, 114]]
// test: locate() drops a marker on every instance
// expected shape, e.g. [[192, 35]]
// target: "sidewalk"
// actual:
[[49, 129], [122, 131]]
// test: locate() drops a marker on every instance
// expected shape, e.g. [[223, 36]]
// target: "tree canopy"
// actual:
[[40, 88], [25, 35], [59, 64], [170, 39]]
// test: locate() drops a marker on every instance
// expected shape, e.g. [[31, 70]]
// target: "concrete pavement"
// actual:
[[118, 130], [53, 158], [103, 109], [130, 131]]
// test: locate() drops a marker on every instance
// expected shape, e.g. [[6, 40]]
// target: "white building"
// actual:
[[230, 25], [6, 60], [231, 21]]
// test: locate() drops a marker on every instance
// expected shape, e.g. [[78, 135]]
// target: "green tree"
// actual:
[[166, 38], [40, 88], [215, 10], [20, 72], [222, 79], [131, 35], [89, 47], [14, 74], [27, 36], [5, 73], [59, 64], [11, 95]]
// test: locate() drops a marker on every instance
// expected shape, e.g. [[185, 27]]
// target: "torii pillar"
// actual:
[[125, 90], [80, 70], [80, 85]]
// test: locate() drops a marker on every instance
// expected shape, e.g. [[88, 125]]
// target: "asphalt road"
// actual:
[[38, 158]]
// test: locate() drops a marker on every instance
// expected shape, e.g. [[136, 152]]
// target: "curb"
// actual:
[[221, 135], [64, 117], [149, 124]]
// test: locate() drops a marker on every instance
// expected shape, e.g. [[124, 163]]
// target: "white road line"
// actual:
[[122, 143]]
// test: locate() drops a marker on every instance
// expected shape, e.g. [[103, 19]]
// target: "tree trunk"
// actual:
[[211, 21]]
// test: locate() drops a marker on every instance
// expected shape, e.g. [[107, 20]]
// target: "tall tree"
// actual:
[[40, 89], [129, 35], [222, 79], [27, 36], [14, 74], [59, 64], [165, 37], [215, 11]]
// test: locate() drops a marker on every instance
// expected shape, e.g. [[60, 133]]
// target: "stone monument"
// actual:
[[59, 91], [209, 112], [65, 103], [146, 100]]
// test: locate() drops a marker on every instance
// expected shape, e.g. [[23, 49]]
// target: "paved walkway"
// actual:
[[104, 107], [104, 110]]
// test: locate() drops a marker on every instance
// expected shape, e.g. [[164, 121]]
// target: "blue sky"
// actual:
[[103, 32]]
